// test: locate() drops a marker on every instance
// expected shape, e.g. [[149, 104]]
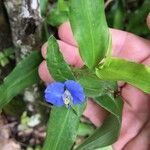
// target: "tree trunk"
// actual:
[[26, 26], [26, 23]]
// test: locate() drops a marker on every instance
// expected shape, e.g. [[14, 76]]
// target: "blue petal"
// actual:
[[76, 91], [54, 92]]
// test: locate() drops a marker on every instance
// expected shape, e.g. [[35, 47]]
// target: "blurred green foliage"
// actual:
[[129, 15], [5, 55]]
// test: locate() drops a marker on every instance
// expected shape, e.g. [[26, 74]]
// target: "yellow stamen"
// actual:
[[66, 101]]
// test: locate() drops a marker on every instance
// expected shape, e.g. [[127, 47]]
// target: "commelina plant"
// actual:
[[91, 32], [97, 79]]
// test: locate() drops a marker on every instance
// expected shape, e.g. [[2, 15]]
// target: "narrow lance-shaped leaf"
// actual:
[[57, 66], [103, 136], [43, 7], [90, 29], [62, 128], [108, 133], [63, 123], [25, 74], [116, 69]]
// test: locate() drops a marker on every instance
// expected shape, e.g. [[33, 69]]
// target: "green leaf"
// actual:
[[62, 5], [135, 74], [93, 86], [114, 106], [43, 7], [4, 61], [62, 128], [116, 15], [90, 29], [5, 55], [119, 16], [108, 133], [8, 52], [105, 148], [58, 14], [57, 66], [137, 23], [56, 17], [25, 74], [45, 33], [85, 129], [103, 136], [11, 108]]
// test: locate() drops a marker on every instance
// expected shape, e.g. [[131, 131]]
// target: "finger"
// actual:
[[65, 34], [44, 73], [148, 20], [136, 112], [129, 46], [142, 140], [124, 44], [95, 113], [132, 124], [69, 52]]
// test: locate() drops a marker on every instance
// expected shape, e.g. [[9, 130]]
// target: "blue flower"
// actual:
[[67, 93]]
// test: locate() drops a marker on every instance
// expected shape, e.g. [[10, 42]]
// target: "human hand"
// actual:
[[135, 130]]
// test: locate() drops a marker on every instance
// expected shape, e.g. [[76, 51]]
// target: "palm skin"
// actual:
[[135, 129]]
